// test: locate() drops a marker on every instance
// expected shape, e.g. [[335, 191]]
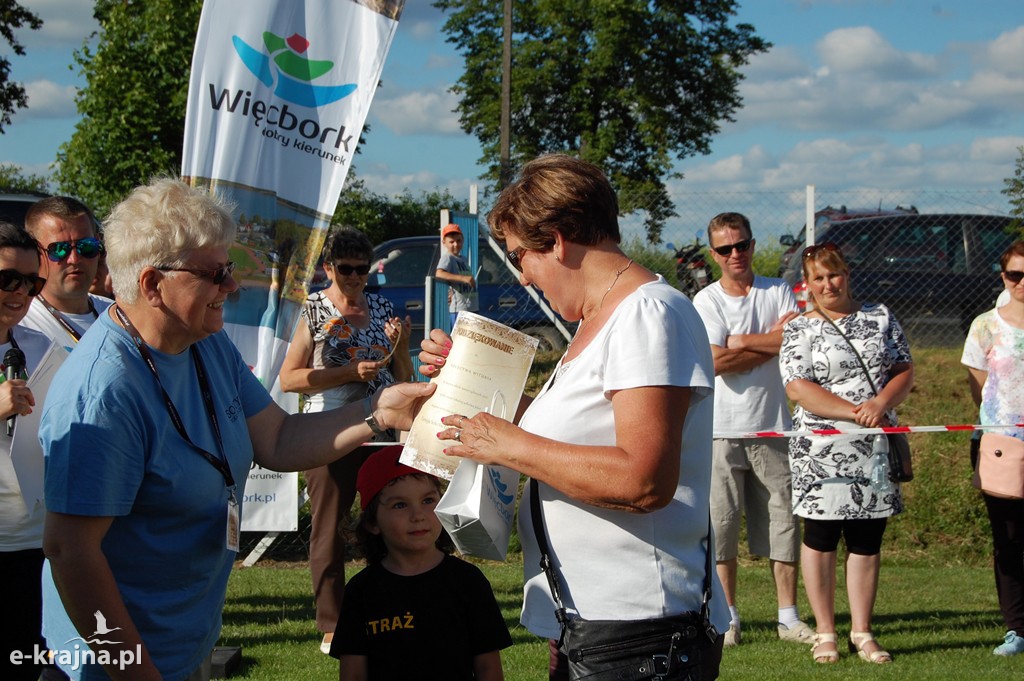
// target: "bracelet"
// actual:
[[370, 420]]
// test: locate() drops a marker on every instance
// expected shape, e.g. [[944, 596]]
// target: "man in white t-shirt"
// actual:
[[65, 230], [744, 314]]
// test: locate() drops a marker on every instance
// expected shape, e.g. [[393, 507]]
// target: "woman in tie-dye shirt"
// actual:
[[994, 357]]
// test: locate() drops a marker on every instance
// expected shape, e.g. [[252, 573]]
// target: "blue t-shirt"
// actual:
[[112, 450]]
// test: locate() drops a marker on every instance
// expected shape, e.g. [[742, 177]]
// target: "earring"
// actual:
[[557, 259]]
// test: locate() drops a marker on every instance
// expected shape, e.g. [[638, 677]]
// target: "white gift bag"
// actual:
[[478, 507]]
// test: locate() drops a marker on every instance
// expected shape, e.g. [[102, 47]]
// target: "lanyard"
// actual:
[[204, 386], [71, 331]]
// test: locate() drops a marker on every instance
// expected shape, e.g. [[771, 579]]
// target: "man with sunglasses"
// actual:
[[454, 269], [65, 230], [744, 314]]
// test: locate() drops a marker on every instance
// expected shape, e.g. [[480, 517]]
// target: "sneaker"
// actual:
[[732, 637], [798, 633], [1012, 645]]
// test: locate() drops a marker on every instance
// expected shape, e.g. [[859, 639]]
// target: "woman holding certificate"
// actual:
[[618, 441]]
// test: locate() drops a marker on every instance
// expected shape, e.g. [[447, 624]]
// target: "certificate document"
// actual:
[[486, 370]]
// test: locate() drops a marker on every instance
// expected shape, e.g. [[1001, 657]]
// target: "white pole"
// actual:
[[809, 218]]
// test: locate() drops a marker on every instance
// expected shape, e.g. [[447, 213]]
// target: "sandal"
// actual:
[[858, 639], [825, 656]]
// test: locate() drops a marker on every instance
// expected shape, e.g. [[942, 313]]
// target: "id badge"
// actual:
[[233, 524]]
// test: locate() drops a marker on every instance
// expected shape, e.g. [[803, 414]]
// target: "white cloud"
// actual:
[[863, 83], [66, 23], [47, 99], [863, 50], [1006, 53], [869, 161], [426, 111]]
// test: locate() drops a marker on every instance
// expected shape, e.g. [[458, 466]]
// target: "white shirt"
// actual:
[[614, 564], [752, 400], [40, 319], [20, 527]]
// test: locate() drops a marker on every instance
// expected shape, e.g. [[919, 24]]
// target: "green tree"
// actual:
[[1014, 190], [383, 218], [14, 181], [630, 85], [12, 95], [133, 103]]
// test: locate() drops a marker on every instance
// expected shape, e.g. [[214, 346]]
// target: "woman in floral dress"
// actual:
[[832, 490]]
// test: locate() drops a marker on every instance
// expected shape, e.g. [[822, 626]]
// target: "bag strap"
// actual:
[[854, 349], [552, 575]]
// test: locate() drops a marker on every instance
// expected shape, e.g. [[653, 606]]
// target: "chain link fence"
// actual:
[[935, 264], [936, 268]]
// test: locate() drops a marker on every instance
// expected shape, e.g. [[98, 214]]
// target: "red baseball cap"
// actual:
[[451, 229], [378, 470]]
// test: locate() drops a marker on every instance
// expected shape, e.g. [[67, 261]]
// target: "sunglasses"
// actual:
[[346, 270], [739, 247], [515, 258], [828, 247], [12, 280], [89, 247], [217, 276], [1013, 276]]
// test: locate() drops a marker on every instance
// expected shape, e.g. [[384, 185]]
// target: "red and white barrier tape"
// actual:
[[737, 435]]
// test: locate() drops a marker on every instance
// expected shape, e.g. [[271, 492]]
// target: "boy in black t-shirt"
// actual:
[[414, 612]]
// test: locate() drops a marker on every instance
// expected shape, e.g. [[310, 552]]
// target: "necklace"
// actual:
[[618, 273]]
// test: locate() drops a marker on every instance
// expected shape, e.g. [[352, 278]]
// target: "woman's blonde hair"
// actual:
[[160, 224]]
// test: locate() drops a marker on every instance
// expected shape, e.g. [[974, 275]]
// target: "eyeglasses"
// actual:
[[89, 247], [12, 280], [739, 247], [1013, 276], [811, 250], [217, 276], [515, 258], [346, 270]]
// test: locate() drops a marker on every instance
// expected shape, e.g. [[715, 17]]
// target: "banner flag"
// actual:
[[278, 95]]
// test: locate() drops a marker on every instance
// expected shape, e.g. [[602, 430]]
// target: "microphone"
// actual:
[[14, 364]]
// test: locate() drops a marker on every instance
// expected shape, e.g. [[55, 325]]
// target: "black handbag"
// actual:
[[900, 462], [663, 648]]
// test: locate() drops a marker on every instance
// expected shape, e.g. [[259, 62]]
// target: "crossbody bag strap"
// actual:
[[855, 353], [552, 576]]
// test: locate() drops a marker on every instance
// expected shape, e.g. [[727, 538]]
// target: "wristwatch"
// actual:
[[370, 421]]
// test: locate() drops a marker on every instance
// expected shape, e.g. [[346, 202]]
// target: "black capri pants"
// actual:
[[863, 536]]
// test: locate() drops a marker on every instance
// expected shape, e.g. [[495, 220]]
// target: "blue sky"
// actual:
[[888, 94]]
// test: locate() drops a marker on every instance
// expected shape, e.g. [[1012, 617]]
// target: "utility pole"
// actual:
[[506, 98]]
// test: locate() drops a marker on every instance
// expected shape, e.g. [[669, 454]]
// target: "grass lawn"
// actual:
[[937, 611], [939, 623]]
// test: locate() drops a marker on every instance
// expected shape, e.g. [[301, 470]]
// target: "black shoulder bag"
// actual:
[[663, 649], [900, 462]]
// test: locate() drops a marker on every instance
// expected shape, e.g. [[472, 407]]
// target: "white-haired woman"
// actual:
[[149, 441]]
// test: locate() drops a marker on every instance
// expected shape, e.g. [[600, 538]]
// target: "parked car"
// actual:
[[928, 269], [789, 267], [14, 206], [401, 265]]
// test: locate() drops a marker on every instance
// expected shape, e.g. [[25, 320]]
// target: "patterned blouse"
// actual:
[[831, 474], [337, 343]]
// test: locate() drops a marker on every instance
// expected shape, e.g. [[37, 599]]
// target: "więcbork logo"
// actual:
[[282, 119], [294, 72], [500, 488]]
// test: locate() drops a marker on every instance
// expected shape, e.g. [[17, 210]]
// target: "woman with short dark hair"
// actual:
[[348, 345]]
